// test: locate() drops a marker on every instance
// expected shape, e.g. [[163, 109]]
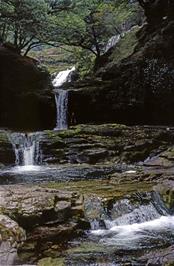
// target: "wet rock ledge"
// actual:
[[32, 218], [105, 143]]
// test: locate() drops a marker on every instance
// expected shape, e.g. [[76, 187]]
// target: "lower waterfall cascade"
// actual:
[[137, 227], [27, 150]]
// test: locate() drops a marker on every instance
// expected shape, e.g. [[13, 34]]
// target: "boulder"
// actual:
[[49, 216], [33, 206], [166, 190], [11, 238]]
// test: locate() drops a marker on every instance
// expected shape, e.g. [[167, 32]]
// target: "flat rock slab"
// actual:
[[31, 206]]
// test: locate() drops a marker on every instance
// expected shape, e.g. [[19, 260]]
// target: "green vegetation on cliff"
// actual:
[[78, 29]]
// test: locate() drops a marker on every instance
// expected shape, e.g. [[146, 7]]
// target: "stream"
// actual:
[[124, 232]]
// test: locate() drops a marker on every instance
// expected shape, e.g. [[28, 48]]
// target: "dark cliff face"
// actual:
[[140, 88], [26, 101]]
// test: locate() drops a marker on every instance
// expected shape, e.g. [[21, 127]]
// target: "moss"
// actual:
[[51, 262], [59, 135], [168, 197], [3, 137], [126, 46], [54, 135], [89, 247], [82, 130], [105, 189]]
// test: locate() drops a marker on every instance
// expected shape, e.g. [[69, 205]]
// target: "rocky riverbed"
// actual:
[[100, 195], [51, 224]]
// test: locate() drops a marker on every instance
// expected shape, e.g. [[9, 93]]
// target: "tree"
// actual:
[[82, 26], [25, 23], [90, 23]]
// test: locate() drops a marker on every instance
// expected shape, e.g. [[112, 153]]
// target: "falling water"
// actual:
[[62, 77], [112, 42], [61, 98], [140, 226], [26, 148]]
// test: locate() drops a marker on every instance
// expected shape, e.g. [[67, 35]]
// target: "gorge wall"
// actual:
[[137, 89], [26, 101]]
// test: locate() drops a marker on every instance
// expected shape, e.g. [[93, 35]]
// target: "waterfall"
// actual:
[[62, 77], [26, 148], [61, 98], [112, 42]]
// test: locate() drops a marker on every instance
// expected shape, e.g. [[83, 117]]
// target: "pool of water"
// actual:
[[45, 173]]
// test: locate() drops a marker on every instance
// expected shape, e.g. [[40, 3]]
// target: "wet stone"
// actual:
[[11, 238], [31, 206]]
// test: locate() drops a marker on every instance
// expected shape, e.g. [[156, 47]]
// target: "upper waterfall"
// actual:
[[63, 77], [112, 42], [61, 98]]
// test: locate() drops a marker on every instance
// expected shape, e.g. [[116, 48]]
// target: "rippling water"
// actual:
[[132, 236]]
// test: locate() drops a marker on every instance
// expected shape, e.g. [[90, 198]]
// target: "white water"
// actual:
[[133, 226], [27, 152], [61, 98], [62, 77], [138, 234], [112, 42]]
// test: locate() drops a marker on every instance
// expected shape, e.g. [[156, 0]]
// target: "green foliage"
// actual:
[[85, 61], [55, 59], [85, 25], [126, 46], [123, 12], [89, 24], [82, 26], [25, 23]]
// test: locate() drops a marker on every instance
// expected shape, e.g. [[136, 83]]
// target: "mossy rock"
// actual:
[[126, 45], [166, 190], [85, 248], [51, 262]]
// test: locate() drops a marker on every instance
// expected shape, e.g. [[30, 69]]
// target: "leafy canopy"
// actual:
[[25, 23], [86, 24], [90, 23]]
